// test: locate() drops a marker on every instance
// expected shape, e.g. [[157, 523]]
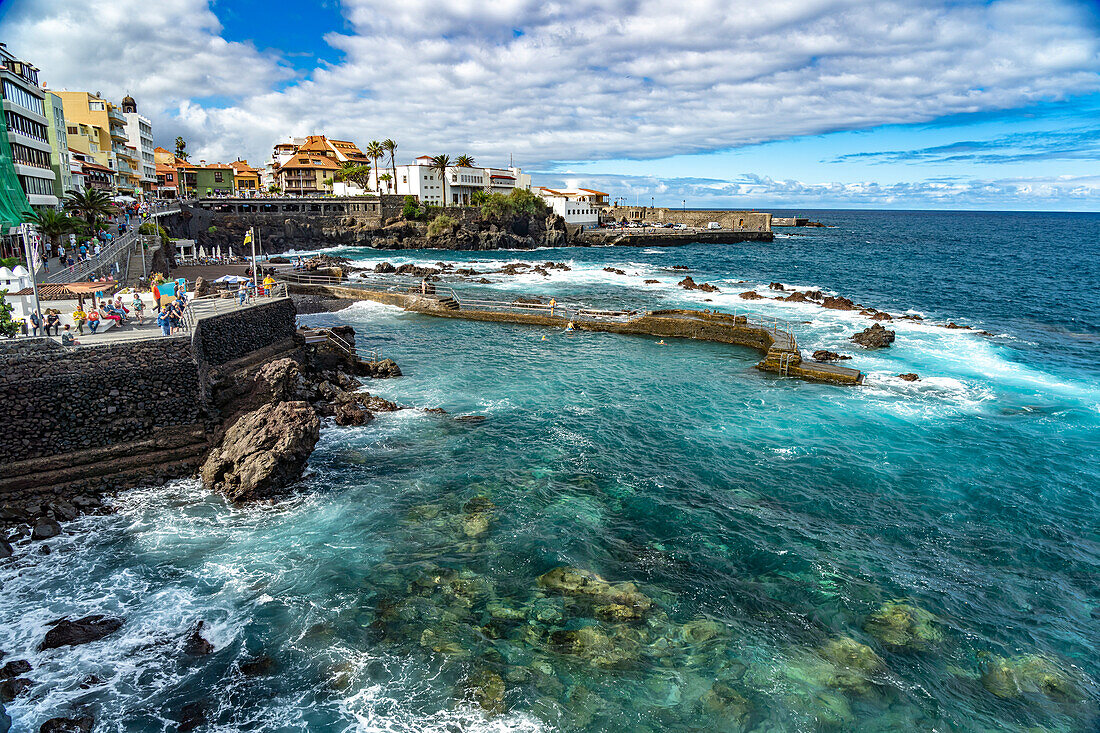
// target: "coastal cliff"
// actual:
[[461, 229]]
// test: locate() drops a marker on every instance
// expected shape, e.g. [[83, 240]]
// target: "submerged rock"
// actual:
[[853, 665], [81, 631], [487, 690], [83, 724], [263, 452], [595, 647], [901, 626], [477, 515], [258, 666], [192, 715], [875, 337], [727, 703], [1029, 673], [909, 377], [585, 584], [196, 645]]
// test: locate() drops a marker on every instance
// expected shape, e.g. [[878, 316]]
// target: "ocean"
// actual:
[[897, 556]]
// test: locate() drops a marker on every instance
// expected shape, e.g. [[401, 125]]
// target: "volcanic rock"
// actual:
[[11, 689], [839, 303], [882, 316], [6, 549], [258, 666], [689, 284], [751, 295], [45, 528], [796, 297], [192, 715], [909, 377], [384, 369], [196, 645], [377, 404], [350, 413], [83, 724], [263, 452], [821, 355], [777, 287], [614, 270], [875, 337], [652, 282], [14, 669], [81, 631], [487, 690]]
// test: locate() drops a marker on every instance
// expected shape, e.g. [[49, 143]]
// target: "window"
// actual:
[[19, 95], [98, 106], [29, 156], [27, 127], [169, 177], [218, 178], [39, 186], [73, 130]]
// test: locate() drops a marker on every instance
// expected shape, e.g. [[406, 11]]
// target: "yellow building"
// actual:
[[97, 128], [246, 179]]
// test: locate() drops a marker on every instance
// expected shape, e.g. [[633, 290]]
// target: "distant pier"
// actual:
[[773, 337]]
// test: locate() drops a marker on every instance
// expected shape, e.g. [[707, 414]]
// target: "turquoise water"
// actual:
[[763, 517]]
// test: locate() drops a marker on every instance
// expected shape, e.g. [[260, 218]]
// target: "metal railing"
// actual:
[[371, 356], [107, 256]]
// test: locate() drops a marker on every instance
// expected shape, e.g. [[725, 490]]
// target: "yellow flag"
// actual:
[[248, 237]]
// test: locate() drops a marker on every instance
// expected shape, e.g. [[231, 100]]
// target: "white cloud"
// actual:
[[755, 191], [572, 80]]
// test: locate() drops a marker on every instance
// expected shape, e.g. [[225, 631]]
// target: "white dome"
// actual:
[[6, 274], [20, 271]]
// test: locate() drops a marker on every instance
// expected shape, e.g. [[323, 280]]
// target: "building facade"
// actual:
[[59, 144], [97, 128], [139, 132], [197, 181], [418, 179], [575, 206], [307, 174], [246, 179], [27, 130]]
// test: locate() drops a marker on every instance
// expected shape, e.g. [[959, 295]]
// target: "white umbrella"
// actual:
[[231, 279]]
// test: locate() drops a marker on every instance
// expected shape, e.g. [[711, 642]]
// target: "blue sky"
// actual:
[[990, 104]]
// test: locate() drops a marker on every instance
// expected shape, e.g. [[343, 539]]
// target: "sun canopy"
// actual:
[[231, 279]]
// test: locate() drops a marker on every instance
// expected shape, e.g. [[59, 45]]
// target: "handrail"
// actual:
[[106, 257]]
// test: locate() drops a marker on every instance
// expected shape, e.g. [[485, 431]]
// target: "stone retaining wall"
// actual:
[[57, 400], [224, 338]]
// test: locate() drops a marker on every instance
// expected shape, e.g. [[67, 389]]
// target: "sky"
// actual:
[[785, 104]]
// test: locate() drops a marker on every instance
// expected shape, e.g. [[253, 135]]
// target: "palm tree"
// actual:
[[391, 147], [376, 151], [441, 164], [51, 222], [388, 179], [465, 161], [91, 204]]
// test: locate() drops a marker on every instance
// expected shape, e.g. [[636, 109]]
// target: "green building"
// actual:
[[59, 145], [199, 181]]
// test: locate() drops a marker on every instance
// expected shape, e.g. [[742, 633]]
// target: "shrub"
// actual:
[[8, 326], [442, 224], [411, 210]]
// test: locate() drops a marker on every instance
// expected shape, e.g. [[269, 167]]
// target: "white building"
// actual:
[[581, 207], [139, 132], [280, 156], [418, 179]]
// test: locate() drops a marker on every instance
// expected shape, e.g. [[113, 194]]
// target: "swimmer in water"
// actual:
[[661, 342]]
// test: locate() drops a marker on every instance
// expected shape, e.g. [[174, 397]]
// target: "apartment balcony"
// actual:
[[115, 116]]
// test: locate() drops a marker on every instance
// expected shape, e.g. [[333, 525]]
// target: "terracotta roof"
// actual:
[[95, 166], [310, 161], [67, 291], [589, 190], [242, 166]]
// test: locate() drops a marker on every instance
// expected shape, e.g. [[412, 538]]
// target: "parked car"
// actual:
[[714, 225]]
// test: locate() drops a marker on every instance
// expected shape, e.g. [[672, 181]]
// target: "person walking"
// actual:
[[138, 306], [242, 293]]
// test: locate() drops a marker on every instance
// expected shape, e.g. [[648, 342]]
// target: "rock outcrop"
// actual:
[[81, 631], [689, 284], [909, 377], [751, 295], [875, 337], [263, 452], [822, 355]]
